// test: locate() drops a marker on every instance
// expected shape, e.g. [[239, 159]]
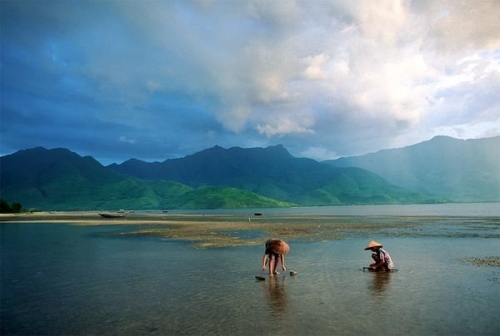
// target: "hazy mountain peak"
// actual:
[[460, 170]]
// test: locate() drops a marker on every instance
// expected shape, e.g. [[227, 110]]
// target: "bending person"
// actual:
[[274, 254]]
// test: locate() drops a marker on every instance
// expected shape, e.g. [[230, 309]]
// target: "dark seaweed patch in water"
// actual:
[[236, 234], [201, 237], [127, 231], [216, 231], [242, 234], [495, 278], [451, 228], [488, 261]]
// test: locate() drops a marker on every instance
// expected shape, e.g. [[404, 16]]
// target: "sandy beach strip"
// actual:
[[81, 217], [214, 230], [218, 230]]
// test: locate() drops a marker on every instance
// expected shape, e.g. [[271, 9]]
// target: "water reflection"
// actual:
[[379, 282], [276, 295]]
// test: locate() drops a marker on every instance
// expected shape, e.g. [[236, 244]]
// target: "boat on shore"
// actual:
[[111, 215]]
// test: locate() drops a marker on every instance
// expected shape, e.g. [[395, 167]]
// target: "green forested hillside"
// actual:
[[273, 172], [357, 186], [61, 180]]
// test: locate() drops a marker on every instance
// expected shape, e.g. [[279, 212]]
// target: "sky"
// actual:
[[156, 80]]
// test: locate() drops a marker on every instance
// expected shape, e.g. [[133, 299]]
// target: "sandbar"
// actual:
[[220, 230]]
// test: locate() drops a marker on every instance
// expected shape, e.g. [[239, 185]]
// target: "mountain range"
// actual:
[[58, 179], [275, 173], [440, 170]]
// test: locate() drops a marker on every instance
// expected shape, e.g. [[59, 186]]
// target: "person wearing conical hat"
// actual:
[[274, 253], [382, 259]]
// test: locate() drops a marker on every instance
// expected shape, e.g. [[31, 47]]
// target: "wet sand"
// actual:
[[210, 230], [219, 230]]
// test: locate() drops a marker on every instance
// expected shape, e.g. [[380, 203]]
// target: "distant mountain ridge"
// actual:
[[443, 167], [210, 165], [275, 173], [59, 179]]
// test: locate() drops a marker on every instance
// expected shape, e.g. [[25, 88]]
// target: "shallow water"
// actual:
[[73, 280], [448, 209]]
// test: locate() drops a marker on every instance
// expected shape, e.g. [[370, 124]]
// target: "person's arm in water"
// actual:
[[379, 260], [283, 267], [377, 265], [264, 261]]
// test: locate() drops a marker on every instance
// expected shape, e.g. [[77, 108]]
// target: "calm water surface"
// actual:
[[68, 280]]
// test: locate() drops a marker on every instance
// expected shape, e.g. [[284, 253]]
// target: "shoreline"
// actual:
[[219, 230], [89, 217]]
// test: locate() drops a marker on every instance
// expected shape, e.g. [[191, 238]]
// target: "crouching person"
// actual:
[[382, 259]]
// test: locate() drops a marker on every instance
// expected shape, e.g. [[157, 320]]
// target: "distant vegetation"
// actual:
[[14, 207], [59, 179], [274, 173], [219, 178]]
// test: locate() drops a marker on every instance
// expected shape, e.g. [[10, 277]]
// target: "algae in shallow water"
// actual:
[[488, 261]]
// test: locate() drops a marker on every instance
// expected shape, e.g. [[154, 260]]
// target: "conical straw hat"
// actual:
[[371, 244], [277, 246]]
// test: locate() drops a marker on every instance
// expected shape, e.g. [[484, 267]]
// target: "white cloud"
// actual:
[[315, 67], [382, 20], [285, 126], [318, 153], [460, 26]]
